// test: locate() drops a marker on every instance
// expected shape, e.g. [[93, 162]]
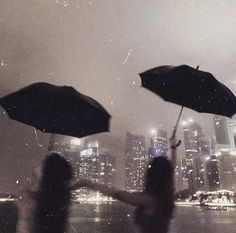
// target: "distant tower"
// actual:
[[232, 132], [106, 169], [227, 168], [96, 165], [158, 143], [212, 173], [89, 161], [135, 162], [193, 163], [221, 131]]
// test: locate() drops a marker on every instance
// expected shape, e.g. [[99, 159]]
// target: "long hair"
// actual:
[[56, 171], [53, 197], [159, 176], [160, 182]]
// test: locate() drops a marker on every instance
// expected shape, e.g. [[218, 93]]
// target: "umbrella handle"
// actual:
[[177, 123]]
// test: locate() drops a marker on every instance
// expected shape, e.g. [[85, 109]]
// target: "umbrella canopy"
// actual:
[[57, 110], [190, 87]]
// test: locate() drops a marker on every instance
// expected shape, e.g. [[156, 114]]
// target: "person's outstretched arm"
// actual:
[[136, 199]]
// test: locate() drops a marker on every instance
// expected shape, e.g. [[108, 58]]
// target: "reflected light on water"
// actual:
[[97, 219]]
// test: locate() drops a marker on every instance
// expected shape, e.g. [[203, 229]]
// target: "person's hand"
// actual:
[[173, 142]]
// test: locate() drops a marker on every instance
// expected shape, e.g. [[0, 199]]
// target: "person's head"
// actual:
[[159, 176], [56, 170]]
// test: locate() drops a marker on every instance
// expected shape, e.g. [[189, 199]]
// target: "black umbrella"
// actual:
[[56, 110], [190, 87]]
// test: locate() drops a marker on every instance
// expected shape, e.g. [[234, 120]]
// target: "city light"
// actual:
[[184, 123], [75, 141], [232, 152], [153, 131], [217, 154], [187, 122], [95, 198]]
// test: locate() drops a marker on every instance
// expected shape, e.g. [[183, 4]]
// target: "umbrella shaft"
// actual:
[[51, 142], [177, 123]]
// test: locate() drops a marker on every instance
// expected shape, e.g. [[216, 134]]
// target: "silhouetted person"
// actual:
[[156, 203], [53, 196], [154, 214]]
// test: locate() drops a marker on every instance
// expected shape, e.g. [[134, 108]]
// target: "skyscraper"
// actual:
[[135, 162], [158, 143], [205, 152], [89, 161], [95, 165], [232, 132], [221, 131], [212, 173], [106, 169], [227, 168], [194, 169]]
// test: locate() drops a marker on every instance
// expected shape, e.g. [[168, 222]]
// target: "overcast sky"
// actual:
[[99, 47]]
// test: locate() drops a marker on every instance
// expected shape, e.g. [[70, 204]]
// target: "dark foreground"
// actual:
[[117, 218]]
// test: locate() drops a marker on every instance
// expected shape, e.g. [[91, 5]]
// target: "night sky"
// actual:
[[99, 47]]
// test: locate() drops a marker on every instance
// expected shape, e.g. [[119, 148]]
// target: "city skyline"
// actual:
[[99, 48], [206, 164], [109, 147]]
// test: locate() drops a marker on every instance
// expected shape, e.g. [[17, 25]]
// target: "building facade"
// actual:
[[227, 168], [193, 162], [158, 143], [135, 162], [232, 132], [106, 169], [212, 173], [221, 130]]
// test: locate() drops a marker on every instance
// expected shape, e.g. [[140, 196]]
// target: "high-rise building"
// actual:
[[96, 166], [232, 132], [227, 168], [194, 169], [107, 169], [205, 152], [135, 162], [89, 161], [222, 149], [212, 173], [181, 182], [158, 143], [221, 131]]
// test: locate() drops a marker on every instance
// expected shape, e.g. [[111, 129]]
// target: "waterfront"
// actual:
[[104, 218]]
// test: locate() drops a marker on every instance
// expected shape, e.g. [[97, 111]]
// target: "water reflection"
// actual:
[[118, 218]]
